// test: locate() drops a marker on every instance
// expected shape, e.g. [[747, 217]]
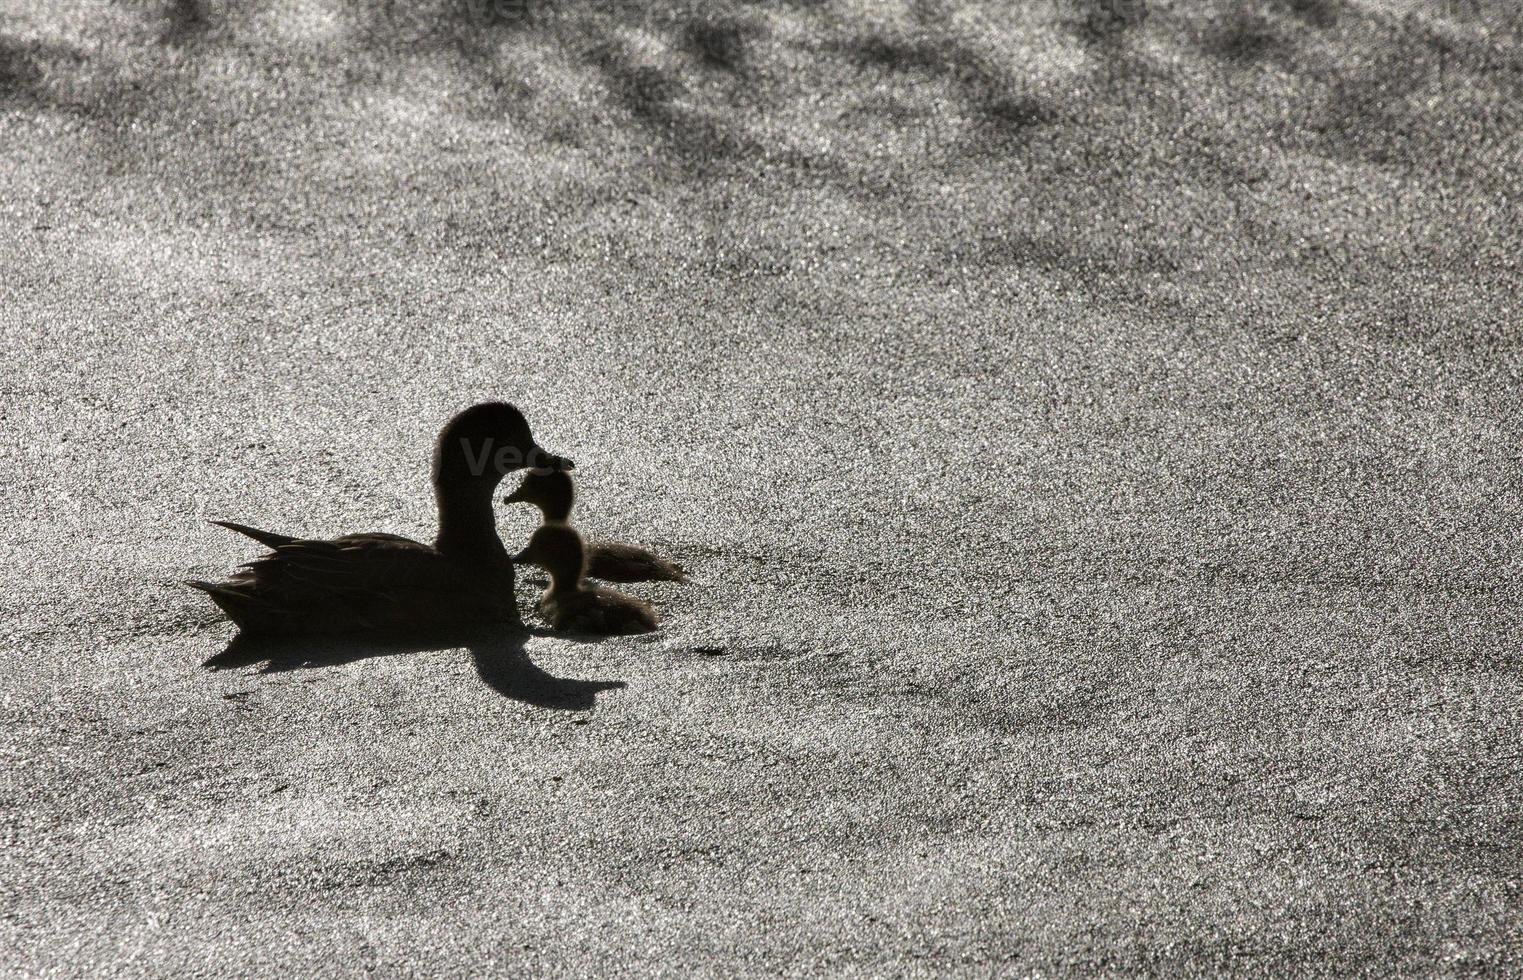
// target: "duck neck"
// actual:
[[467, 525], [556, 511]]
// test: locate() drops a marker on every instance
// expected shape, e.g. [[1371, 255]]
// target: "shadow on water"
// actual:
[[498, 654]]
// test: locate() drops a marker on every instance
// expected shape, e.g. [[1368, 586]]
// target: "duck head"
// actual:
[[485, 443], [476, 449], [558, 549], [549, 490]]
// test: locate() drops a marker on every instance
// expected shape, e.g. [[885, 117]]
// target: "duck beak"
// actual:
[[519, 558], [541, 461], [516, 496]]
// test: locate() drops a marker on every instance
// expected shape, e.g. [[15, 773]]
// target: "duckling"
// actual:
[[391, 584], [570, 603], [554, 494]]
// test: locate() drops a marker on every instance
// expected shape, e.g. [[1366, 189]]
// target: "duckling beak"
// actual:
[[515, 497], [519, 558]]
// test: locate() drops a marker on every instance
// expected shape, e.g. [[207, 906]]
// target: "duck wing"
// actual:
[[354, 563], [273, 540]]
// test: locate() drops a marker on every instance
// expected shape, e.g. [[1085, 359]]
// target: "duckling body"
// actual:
[[390, 584], [595, 609], [571, 604], [615, 562], [554, 494]]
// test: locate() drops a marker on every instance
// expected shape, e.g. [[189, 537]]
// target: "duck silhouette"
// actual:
[[554, 493], [570, 604], [387, 584]]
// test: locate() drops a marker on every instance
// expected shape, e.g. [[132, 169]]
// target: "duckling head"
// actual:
[[549, 490], [558, 549], [486, 442]]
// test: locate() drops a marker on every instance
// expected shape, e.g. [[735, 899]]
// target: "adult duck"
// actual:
[[570, 603], [553, 492], [383, 583]]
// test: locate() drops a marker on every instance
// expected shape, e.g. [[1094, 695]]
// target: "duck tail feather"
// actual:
[[231, 601], [268, 538]]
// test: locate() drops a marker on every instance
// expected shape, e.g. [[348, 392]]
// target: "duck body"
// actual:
[[571, 604], [359, 583], [384, 583], [554, 494]]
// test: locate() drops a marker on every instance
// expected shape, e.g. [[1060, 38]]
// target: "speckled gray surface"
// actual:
[[1094, 440]]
